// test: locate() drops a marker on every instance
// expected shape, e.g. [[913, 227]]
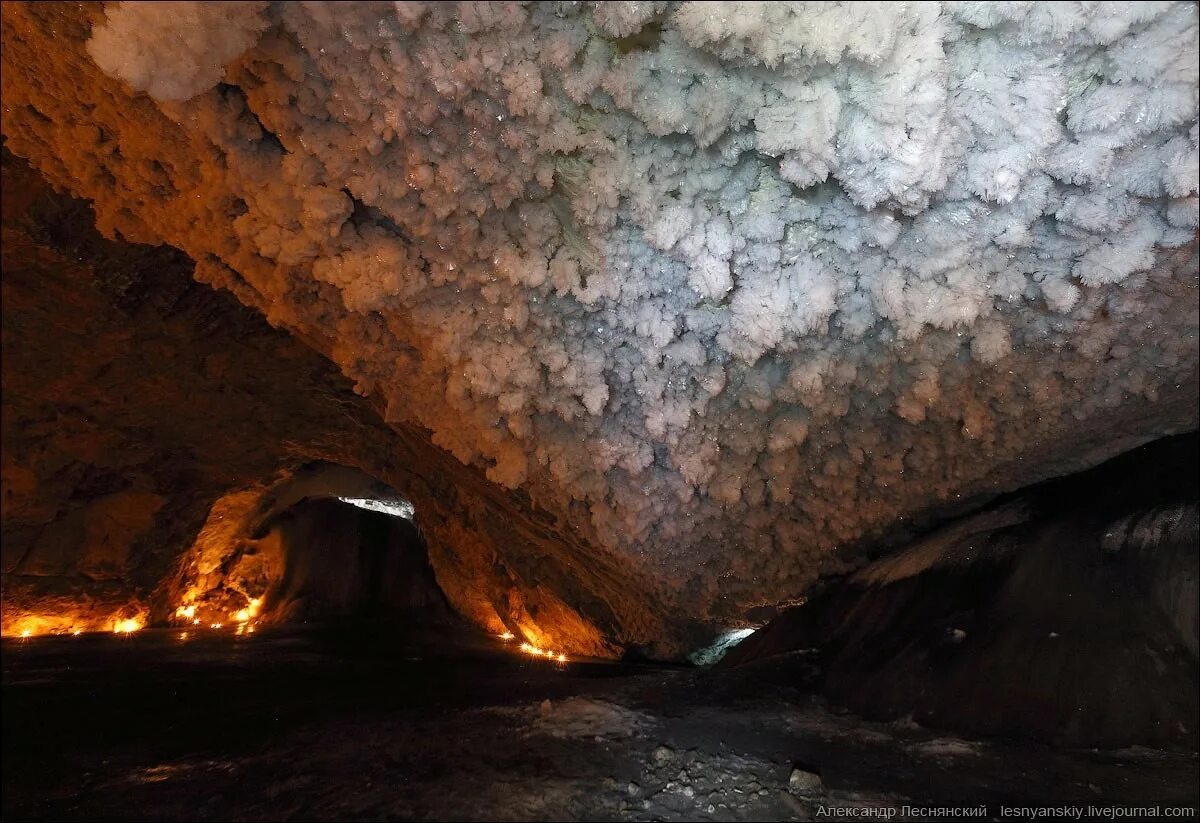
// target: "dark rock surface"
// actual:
[[343, 561], [374, 723], [1067, 613]]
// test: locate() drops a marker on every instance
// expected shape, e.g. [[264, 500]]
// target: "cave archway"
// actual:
[[324, 542]]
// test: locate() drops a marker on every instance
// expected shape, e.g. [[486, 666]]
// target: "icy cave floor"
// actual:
[[368, 724]]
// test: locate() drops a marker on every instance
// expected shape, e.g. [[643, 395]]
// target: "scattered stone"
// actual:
[[688, 791], [663, 755], [803, 782], [632, 789]]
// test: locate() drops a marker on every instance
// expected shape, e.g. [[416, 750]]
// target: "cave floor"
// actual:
[[370, 724]]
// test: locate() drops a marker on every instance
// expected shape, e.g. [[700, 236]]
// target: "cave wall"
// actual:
[[570, 303], [1067, 613], [140, 405], [237, 556], [704, 352]]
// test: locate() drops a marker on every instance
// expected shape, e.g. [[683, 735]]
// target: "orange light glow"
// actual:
[[248, 613], [127, 626], [534, 651], [186, 612], [507, 636], [215, 626], [77, 632], [36, 625]]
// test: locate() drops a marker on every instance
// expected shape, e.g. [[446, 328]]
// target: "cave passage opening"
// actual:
[[351, 558], [326, 543]]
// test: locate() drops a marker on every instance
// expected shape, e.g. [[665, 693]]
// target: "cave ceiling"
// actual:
[[712, 295]]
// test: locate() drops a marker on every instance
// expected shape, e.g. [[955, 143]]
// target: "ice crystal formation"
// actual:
[[723, 286]]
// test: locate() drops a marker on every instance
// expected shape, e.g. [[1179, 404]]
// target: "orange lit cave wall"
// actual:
[[324, 541], [141, 410]]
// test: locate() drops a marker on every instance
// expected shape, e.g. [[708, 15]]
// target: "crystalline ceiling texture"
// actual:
[[725, 285]]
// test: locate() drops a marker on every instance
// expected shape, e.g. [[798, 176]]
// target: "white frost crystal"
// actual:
[[175, 51], [724, 284]]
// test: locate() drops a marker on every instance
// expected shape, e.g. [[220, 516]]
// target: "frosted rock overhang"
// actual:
[[687, 303]]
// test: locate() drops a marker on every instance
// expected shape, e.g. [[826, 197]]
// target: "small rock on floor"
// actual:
[[804, 782]]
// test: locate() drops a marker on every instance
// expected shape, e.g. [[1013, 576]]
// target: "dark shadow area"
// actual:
[[346, 562], [387, 721], [1066, 613]]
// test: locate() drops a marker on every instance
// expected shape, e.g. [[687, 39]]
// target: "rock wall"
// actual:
[[721, 289], [668, 310], [139, 406], [1067, 614], [341, 561]]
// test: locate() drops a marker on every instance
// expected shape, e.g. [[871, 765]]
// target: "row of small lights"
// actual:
[[533, 650], [245, 625], [125, 626], [243, 617]]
